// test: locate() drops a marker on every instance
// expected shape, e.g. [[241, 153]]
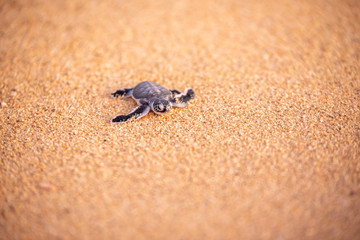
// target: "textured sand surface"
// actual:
[[269, 149]]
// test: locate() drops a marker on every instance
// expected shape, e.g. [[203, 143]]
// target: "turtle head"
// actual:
[[160, 106]]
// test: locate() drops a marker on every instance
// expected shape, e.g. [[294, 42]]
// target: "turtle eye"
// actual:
[[160, 107]]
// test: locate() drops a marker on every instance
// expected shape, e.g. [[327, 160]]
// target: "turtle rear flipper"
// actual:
[[182, 99], [174, 91]]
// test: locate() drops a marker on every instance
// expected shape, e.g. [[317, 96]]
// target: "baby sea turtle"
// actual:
[[150, 95]]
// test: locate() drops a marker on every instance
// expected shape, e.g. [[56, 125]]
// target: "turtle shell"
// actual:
[[149, 90]]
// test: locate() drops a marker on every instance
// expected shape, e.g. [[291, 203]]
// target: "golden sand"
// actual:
[[268, 149]]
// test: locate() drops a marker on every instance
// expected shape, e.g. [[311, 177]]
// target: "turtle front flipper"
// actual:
[[126, 92], [137, 113], [182, 99]]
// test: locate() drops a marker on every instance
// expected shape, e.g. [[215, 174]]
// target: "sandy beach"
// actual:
[[268, 149]]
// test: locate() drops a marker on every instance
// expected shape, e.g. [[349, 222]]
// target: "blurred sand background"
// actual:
[[269, 149]]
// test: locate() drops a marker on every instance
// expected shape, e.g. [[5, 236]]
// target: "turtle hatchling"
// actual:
[[150, 95]]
